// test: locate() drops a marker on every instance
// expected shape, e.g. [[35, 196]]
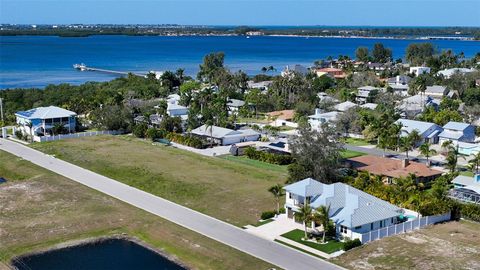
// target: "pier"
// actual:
[[83, 67]]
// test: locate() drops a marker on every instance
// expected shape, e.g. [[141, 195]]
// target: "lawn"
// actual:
[[263, 222], [329, 247], [40, 209], [256, 163], [232, 191], [356, 142], [351, 154], [467, 173], [452, 245]]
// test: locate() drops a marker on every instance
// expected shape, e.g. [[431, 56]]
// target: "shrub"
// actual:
[[19, 134], [139, 130], [153, 133], [349, 244], [470, 211], [252, 153], [187, 140], [268, 215]]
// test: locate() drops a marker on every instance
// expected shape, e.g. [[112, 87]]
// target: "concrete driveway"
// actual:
[[274, 229]]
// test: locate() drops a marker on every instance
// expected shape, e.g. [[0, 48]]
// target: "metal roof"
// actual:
[[456, 126], [348, 206], [422, 127], [45, 113]]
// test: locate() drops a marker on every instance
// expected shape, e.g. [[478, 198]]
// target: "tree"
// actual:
[[277, 192], [112, 117], [427, 151], [362, 54], [381, 54], [209, 127], [322, 216], [305, 215], [452, 157], [419, 53], [211, 65], [475, 163], [318, 153], [322, 83]]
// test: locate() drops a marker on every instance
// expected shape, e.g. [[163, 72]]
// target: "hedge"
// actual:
[[251, 153], [187, 140], [349, 244], [470, 211], [268, 214]]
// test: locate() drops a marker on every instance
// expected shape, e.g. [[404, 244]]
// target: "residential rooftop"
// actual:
[[45, 113]]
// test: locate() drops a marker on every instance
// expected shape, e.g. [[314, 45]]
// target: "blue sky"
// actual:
[[245, 12]]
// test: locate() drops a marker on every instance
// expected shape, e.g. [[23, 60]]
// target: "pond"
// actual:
[[116, 254]]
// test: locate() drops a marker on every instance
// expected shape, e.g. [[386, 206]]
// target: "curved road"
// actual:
[[225, 233]]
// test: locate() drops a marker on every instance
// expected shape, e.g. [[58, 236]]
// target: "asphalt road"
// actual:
[[225, 233]]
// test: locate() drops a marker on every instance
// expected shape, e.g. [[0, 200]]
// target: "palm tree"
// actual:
[[426, 151], [475, 162], [277, 192], [452, 157], [323, 217], [305, 215], [209, 126], [264, 69], [447, 145], [30, 130]]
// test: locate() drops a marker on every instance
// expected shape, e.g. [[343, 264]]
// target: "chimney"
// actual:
[[405, 162], [318, 111]]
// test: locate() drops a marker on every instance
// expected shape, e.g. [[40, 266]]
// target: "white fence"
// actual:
[[401, 228], [74, 135]]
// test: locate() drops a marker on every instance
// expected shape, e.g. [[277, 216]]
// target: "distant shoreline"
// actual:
[[418, 38]]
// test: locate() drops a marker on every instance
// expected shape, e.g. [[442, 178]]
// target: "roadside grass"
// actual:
[[229, 190], [351, 154], [467, 173], [330, 247], [356, 142], [263, 222], [256, 163], [299, 249], [450, 245], [40, 209]]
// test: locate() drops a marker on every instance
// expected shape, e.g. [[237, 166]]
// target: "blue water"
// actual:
[[36, 61], [111, 254]]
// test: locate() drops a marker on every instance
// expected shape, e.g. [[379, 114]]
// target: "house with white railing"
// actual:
[[42, 120], [353, 211]]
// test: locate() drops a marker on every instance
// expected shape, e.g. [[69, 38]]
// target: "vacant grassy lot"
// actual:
[[39, 209], [453, 245], [228, 190], [257, 163]]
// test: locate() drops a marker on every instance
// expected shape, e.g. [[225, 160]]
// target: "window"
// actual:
[[358, 227], [289, 195], [371, 226], [343, 229]]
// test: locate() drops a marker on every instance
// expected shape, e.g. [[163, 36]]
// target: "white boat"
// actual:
[[81, 67]]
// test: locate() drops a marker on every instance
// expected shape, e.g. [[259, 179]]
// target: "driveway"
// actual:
[[275, 228], [218, 230]]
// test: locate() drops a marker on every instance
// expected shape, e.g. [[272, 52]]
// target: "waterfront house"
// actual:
[[344, 106], [318, 119], [225, 136], [466, 189], [436, 91], [297, 69], [428, 132], [336, 73], [353, 211], [419, 70], [457, 132], [389, 169], [41, 121]]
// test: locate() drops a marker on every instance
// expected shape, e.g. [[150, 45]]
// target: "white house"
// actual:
[[234, 105], [428, 131], [365, 93], [225, 136], [457, 132], [412, 106], [40, 121], [318, 119], [344, 106], [353, 211], [447, 73], [399, 84], [419, 70], [174, 109]]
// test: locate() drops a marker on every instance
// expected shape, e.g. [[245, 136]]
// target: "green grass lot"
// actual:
[[40, 209], [451, 245], [351, 154], [329, 247], [256, 163], [356, 142], [260, 223], [231, 191]]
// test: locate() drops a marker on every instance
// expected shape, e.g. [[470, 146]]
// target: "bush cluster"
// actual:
[[349, 244], [185, 140], [470, 211], [251, 153], [268, 214]]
